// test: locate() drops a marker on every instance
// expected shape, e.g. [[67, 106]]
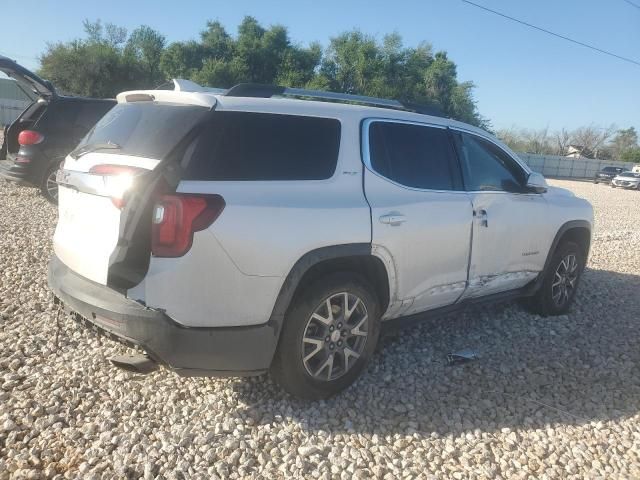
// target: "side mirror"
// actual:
[[536, 183]]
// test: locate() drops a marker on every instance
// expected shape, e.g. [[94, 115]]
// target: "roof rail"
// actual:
[[265, 91]]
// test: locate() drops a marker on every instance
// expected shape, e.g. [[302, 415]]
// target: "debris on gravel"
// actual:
[[546, 398]]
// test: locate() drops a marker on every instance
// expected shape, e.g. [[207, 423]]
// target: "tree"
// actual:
[[562, 140], [592, 138], [93, 66], [623, 142], [631, 155], [357, 63], [529, 141], [182, 59], [145, 46], [108, 61]]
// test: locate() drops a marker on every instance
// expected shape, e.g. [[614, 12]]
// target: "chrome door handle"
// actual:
[[482, 217], [393, 219]]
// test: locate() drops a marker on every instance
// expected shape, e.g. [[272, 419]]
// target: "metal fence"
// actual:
[[10, 110], [568, 167]]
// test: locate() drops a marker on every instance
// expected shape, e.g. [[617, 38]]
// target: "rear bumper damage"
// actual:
[[190, 351]]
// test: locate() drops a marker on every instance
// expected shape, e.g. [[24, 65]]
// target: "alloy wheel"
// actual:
[[52, 185], [565, 279], [335, 336]]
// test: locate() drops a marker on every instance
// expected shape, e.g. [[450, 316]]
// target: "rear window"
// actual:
[[144, 129], [264, 146]]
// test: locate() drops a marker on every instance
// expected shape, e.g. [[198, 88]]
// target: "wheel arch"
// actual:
[[578, 231], [354, 257]]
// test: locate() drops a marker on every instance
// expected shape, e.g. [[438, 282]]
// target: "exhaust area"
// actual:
[[139, 363]]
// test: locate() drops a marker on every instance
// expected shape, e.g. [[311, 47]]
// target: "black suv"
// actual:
[[40, 138], [607, 174]]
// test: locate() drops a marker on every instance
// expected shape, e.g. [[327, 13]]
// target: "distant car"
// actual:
[[627, 180], [607, 174], [40, 138]]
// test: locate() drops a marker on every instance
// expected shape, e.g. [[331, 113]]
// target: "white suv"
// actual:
[[234, 233]]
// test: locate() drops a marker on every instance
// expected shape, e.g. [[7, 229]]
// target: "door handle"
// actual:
[[482, 217], [393, 219]]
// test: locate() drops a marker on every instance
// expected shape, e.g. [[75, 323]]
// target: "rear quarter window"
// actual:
[[264, 146]]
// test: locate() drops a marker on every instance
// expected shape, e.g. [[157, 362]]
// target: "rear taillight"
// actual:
[[30, 137], [177, 217], [118, 180]]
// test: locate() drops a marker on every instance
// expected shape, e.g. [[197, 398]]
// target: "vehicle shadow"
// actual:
[[531, 371]]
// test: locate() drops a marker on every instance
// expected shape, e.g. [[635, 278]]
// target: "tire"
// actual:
[[48, 189], [313, 376], [596, 182], [545, 301]]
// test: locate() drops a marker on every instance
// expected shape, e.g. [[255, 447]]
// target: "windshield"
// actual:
[[630, 174], [143, 129], [611, 170]]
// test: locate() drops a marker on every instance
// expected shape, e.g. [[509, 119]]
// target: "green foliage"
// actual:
[[93, 66], [108, 61], [144, 50], [631, 155], [625, 145]]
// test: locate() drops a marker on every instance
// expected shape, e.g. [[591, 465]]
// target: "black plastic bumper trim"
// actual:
[[15, 172], [190, 351]]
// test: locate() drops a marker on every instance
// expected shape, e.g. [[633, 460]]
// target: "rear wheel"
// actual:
[[328, 337], [48, 186], [560, 282]]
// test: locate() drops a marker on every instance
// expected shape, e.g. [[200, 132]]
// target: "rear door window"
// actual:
[[412, 155], [264, 146]]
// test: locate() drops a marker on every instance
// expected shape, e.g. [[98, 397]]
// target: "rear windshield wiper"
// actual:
[[92, 147]]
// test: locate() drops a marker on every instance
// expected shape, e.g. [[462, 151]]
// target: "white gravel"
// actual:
[[548, 398]]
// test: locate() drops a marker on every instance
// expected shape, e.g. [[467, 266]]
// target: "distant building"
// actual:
[[578, 151], [13, 100]]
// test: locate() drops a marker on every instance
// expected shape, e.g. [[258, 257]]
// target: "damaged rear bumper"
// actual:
[[190, 351]]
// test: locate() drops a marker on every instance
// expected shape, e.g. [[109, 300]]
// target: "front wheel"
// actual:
[[48, 185], [329, 335], [560, 282]]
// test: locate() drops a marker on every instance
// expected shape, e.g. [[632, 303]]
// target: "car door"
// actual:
[[421, 217], [511, 234]]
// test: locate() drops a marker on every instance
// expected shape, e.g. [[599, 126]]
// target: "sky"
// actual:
[[524, 78]]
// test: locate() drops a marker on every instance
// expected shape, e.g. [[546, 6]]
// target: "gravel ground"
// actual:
[[548, 398]]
